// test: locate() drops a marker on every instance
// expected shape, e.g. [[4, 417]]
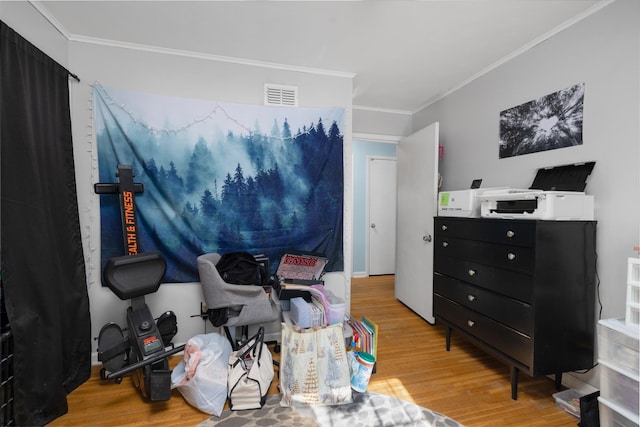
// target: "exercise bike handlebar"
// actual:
[[120, 373]]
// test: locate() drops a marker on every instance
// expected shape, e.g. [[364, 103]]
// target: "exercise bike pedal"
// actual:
[[167, 326], [112, 347]]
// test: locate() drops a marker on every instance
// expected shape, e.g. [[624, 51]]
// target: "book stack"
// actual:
[[301, 268], [365, 335], [295, 273]]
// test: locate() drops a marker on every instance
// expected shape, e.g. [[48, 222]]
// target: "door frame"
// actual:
[[367, 223]]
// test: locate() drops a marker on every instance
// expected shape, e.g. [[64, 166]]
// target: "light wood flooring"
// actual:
[[465, 383]]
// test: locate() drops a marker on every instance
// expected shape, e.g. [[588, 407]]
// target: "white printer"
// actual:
[[462, 203], [556, 194]]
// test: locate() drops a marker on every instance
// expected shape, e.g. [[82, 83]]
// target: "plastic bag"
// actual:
[[201, 376]]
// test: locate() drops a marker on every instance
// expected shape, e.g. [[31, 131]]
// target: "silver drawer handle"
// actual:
[[472, 272], [444, 227], [511, 256], [470, 323], [471, 297], [510, 233], [445, 244]]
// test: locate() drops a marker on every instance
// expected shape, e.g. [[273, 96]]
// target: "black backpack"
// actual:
[[241, 268]]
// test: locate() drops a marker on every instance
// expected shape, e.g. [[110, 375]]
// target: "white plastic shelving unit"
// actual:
[[619, 359], [632, 315]]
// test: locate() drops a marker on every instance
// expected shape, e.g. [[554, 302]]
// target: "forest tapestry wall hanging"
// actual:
[[547, 123], [221, 177]]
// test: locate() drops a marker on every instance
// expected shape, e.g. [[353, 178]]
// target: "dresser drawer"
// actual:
[[510, 283], [512, 313], [508, 341], [515, 258], [509, 232]]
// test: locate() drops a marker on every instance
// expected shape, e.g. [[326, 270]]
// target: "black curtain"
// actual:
[[43, 272]]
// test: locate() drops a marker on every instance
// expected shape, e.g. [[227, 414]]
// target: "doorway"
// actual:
[[381, 231]]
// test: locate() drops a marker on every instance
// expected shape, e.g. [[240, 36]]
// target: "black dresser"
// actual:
[[523, 290]]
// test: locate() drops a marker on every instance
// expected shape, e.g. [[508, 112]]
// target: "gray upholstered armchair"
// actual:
[[242, 305]]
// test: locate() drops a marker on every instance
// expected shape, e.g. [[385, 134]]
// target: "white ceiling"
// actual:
[[402, 54]]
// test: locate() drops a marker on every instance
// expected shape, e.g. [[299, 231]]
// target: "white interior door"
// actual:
[[417, 205], [382, 174]]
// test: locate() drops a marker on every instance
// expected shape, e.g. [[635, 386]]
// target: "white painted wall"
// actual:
[[172, 75], [375, 124], [26, 21], [602, 51]]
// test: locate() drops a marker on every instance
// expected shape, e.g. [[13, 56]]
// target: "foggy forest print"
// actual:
[[221, 178], [547, 123]]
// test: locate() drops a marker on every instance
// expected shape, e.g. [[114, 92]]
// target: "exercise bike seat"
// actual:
[[131, 276]]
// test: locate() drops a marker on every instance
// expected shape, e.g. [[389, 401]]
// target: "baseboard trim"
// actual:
[[569, 380]]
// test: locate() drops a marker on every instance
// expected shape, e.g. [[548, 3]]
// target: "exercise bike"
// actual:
[[145, 348]]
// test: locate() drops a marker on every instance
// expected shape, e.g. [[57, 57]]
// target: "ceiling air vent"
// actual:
[[280, 95]]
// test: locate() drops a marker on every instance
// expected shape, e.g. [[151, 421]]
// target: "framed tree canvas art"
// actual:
[[547, 123]]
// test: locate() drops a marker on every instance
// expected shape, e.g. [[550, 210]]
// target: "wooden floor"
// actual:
[[465, 383]]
